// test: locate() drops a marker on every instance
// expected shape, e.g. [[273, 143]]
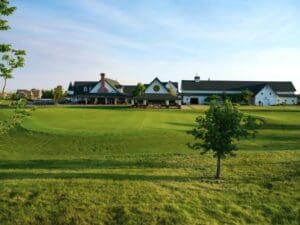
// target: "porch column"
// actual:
[[86, 101], [178, 102], [144, 102], [115, 101], [167, 102], [105, 101], [132, 101], [96, 101], [126, 100]]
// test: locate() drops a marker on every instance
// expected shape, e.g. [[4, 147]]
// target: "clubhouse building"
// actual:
[[108, 91], [196, 91]]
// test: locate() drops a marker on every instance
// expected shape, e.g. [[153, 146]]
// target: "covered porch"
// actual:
[[102, 99], [157, 101]]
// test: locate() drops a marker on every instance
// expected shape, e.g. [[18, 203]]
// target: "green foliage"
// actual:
[[139, 90], [20, 112], [5, 10], [58, 94], [247, 96], [67, 165], [212, 98], [171, 91], [220, 128], [10, 59], [48, 94]]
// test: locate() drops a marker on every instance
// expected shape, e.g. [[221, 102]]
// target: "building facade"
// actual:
[[265, 93], [33, 94], [108, 91]]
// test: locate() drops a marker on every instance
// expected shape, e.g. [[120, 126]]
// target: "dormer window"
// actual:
[[262, 93], [270, 93], [85, 89]]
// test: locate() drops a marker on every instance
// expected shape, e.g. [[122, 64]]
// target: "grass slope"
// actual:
[[124, 166]]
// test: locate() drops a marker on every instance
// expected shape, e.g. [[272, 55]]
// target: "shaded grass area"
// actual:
[[125, 166], [179, 190]]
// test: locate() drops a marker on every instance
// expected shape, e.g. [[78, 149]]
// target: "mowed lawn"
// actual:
[[86, 165]]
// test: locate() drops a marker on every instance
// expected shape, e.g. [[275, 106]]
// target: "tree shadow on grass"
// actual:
[[189, 125], [100, 176], [108, 107], [280, 127], [89, 164]]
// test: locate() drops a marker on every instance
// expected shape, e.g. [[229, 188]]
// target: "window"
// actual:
[[270, 93], [262, 93], [156, 88], [85, 89]]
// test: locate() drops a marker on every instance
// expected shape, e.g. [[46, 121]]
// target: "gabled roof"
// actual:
[[220, 85], [162, 83], [158, 80], [79, 85]]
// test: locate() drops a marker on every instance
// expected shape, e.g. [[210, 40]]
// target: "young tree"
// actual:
[[247, 96], [10, 59], [219, 129], [139, 90], [212, 98], [20, 112], [58, 94], [172, 92]]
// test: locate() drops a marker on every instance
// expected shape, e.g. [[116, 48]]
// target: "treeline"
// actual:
[[246, 97]]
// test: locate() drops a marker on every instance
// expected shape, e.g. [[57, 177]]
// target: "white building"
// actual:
[[265, 92]]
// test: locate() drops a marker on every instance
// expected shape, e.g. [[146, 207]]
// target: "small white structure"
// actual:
[[265, 92]]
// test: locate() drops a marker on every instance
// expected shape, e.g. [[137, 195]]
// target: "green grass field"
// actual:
[[84, 165]]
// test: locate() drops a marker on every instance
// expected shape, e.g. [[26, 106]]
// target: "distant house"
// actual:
[[108, 91], [265, 92], [33, 94]]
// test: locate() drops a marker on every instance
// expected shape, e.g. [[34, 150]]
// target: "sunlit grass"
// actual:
[[124, 166]]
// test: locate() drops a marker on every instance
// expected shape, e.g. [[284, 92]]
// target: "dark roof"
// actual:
[[101, 95], [78, 86], [129, 89], [219, 85], [71, 87]]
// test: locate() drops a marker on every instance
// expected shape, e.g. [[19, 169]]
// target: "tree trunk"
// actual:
[[3, 89], [218, 174]]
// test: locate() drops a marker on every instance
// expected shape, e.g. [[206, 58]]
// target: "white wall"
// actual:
[[187, 99], [287, 100], [266, 97], [107, 86], [162, 90]]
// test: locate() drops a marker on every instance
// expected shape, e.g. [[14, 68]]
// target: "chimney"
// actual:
[[197, 79], [102, 75], [102, 88]]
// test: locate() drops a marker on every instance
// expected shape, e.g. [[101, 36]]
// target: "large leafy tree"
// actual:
[[219, 129], [10, 58]]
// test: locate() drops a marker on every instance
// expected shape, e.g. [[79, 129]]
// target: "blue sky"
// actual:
[[136, 40]]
